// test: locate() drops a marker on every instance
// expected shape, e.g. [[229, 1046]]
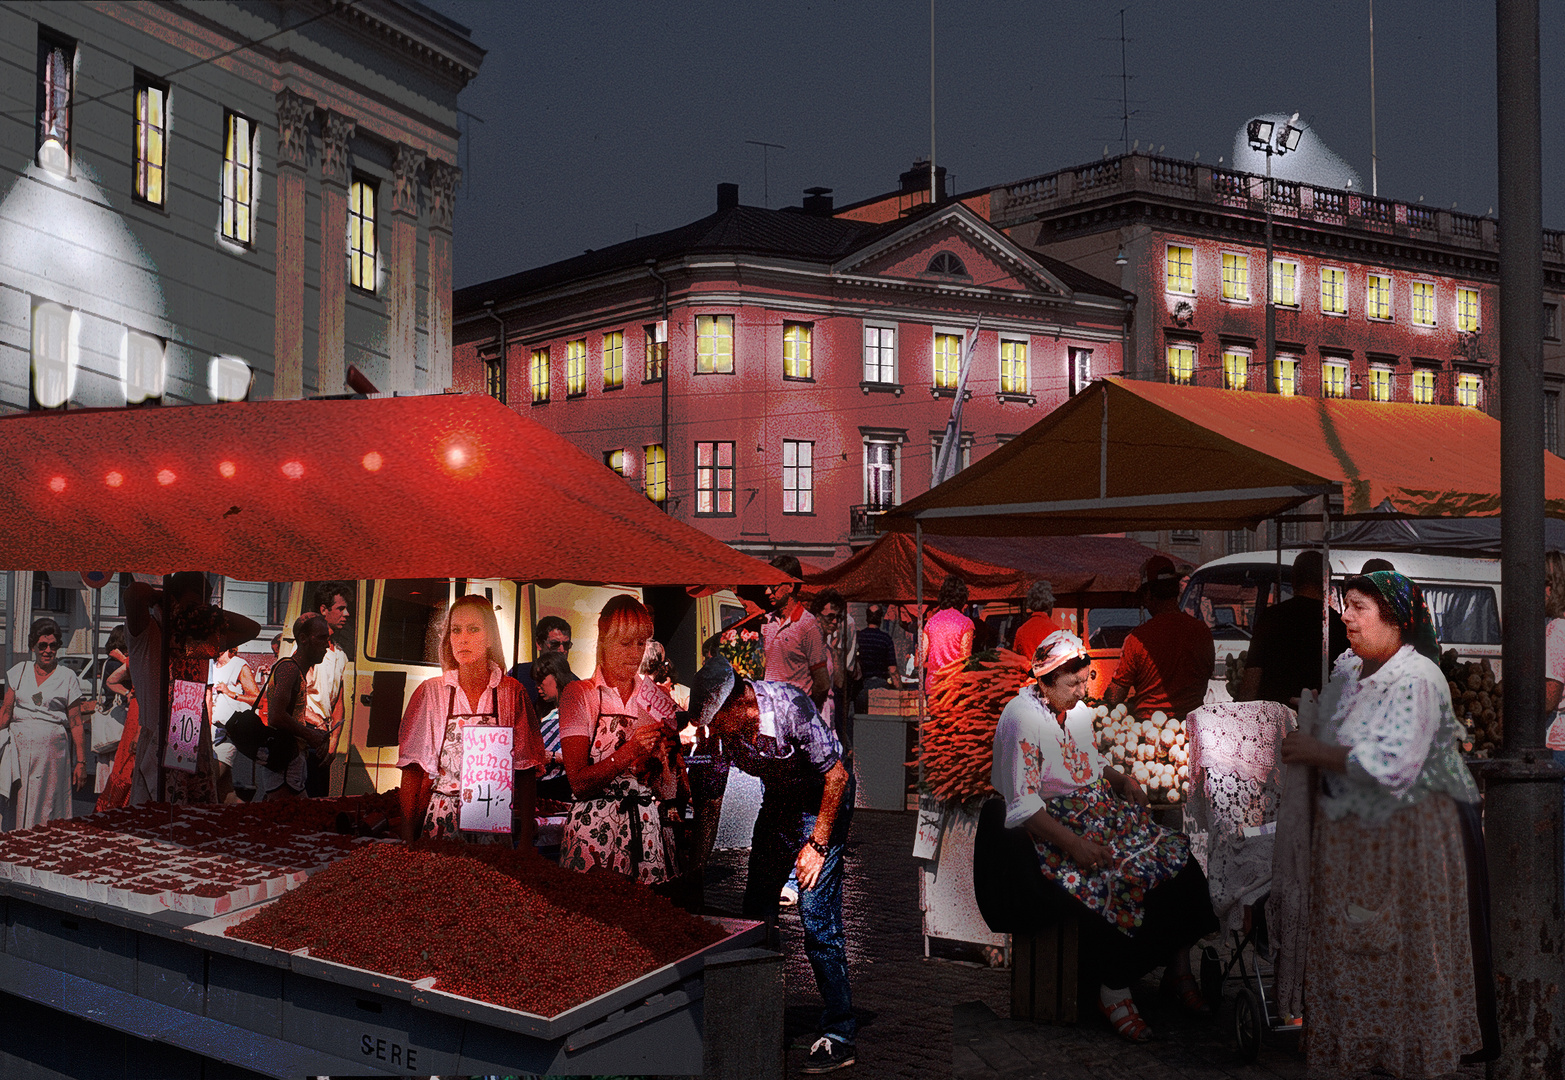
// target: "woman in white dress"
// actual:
[[42, 710]]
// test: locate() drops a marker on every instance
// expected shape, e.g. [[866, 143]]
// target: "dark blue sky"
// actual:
[[602, 120]]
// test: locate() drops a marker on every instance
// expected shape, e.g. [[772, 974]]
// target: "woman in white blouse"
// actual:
[[1397, 963], [1140, 898]]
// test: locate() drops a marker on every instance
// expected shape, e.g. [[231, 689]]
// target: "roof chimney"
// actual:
[[917, 179], [817, 201], [727, 196]]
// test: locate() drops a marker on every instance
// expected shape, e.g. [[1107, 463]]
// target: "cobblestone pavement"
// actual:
[[930, 1018]]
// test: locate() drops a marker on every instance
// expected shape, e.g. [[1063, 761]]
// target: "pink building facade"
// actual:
[[811, 360]]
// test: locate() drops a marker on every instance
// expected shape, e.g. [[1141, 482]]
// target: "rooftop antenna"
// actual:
[[1374, 157], [766, 147], [1124, 86]]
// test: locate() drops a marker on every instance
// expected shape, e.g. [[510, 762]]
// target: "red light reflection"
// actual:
[[57, 484], [226, 469], [372, 462], [114, 479], [166, 477], [293, 470]]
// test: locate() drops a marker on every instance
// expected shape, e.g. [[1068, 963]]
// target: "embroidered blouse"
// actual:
[[1402, 736], [1035, 759]]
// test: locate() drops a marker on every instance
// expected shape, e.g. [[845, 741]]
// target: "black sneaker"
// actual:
[[827, 1055]]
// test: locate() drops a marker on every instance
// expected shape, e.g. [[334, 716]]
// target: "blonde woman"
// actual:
[[619, 756], [472, 689]]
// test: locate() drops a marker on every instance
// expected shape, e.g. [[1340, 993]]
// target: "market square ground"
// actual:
[[939, 1018]]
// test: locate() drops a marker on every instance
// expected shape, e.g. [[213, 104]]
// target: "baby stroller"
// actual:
[[1231, 819]]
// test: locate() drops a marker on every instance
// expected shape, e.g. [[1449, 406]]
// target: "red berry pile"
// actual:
[[488, 922]]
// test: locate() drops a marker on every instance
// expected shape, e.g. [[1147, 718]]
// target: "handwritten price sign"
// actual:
[[184, 725], [486, 778], [654, 700]]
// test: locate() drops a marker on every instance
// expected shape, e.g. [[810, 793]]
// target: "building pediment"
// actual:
[[952, 247]]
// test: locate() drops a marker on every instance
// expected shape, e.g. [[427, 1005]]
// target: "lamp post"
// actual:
[[1264, 137]]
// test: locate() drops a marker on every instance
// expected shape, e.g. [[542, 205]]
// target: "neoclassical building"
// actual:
[[210, 199]]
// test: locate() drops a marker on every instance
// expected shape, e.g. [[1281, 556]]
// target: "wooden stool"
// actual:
[[1046, 974]]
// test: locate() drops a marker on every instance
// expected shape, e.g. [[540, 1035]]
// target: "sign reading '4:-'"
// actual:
[[184, 725], [486, 779]]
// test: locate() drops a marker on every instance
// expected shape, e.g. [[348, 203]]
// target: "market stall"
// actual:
[[1129, 455], [290, 490]]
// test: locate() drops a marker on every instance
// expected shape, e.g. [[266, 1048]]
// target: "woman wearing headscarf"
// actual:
[[1140, 898], [1397, 960]]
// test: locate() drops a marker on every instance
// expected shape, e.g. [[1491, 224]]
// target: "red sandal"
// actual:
[[1126, 1020], [1185, 988]]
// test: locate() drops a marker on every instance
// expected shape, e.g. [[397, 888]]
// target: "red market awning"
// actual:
[[450, 485], [1128, 455], [1085, 571]]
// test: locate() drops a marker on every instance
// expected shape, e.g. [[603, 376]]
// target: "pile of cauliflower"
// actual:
[[1153, 751]]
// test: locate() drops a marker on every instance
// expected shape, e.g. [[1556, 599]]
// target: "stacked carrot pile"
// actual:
[[964, 706]]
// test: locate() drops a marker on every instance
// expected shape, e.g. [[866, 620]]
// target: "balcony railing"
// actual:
[[861, 521]]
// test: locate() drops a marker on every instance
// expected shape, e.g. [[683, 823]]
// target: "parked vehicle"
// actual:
[[1463, 594]]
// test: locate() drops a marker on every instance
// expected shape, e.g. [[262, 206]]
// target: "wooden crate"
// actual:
[[1046, 975]]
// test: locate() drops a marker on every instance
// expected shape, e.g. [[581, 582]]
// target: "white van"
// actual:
[[1463, 596], [393, 645]]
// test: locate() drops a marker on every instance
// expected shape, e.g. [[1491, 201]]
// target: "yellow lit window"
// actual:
[[539, 375], [613, 360], [1469, 390], [797, 362], [1013, 367], [1423, 303], [1285, 283], [1236, 276], [655, 476], [1181, 363], [1333, 291], [1380, 384], [1467, 310], [1285, 375], [1377, 297], [1334, 379], [948, 361], [361, 235], [1181, 269], [1423, 386], [238, 178], [714, 344], [615, 459], [151, 132], [1236, 370], [576, 368]]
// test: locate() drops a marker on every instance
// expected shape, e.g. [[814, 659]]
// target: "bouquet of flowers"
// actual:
[[742, 649]]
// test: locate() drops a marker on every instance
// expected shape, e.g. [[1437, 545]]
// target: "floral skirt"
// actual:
[[1389, 971], [621, 830], [442, 821], [1145, 854]]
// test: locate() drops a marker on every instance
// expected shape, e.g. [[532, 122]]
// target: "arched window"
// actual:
[[946, 265]]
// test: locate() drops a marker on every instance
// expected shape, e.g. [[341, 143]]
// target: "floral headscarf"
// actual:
[[1407, 603]]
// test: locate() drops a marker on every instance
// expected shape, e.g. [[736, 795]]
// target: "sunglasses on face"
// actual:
[[50, 645]]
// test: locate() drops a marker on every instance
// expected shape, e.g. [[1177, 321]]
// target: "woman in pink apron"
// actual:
[[472, 691], [621, 757]]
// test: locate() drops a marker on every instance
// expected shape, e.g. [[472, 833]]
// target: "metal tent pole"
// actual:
[[1523, 801], [1325, 591]]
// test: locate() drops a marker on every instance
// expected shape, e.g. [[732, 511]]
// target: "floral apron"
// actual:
[[1145, 853], [621, 828], [443, 819]]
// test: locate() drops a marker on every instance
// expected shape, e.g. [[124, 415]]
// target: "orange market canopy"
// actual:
[[1085, 571], [450, 485], [1142, 455]]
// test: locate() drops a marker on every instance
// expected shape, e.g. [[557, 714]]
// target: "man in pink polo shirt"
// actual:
[[794, 646]]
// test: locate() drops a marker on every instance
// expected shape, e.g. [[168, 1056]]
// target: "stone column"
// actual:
[[443, 179], [402, 336], [294, 114], [330, 366]]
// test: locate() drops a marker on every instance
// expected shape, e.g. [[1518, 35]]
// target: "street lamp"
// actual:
[[1260, 134]]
